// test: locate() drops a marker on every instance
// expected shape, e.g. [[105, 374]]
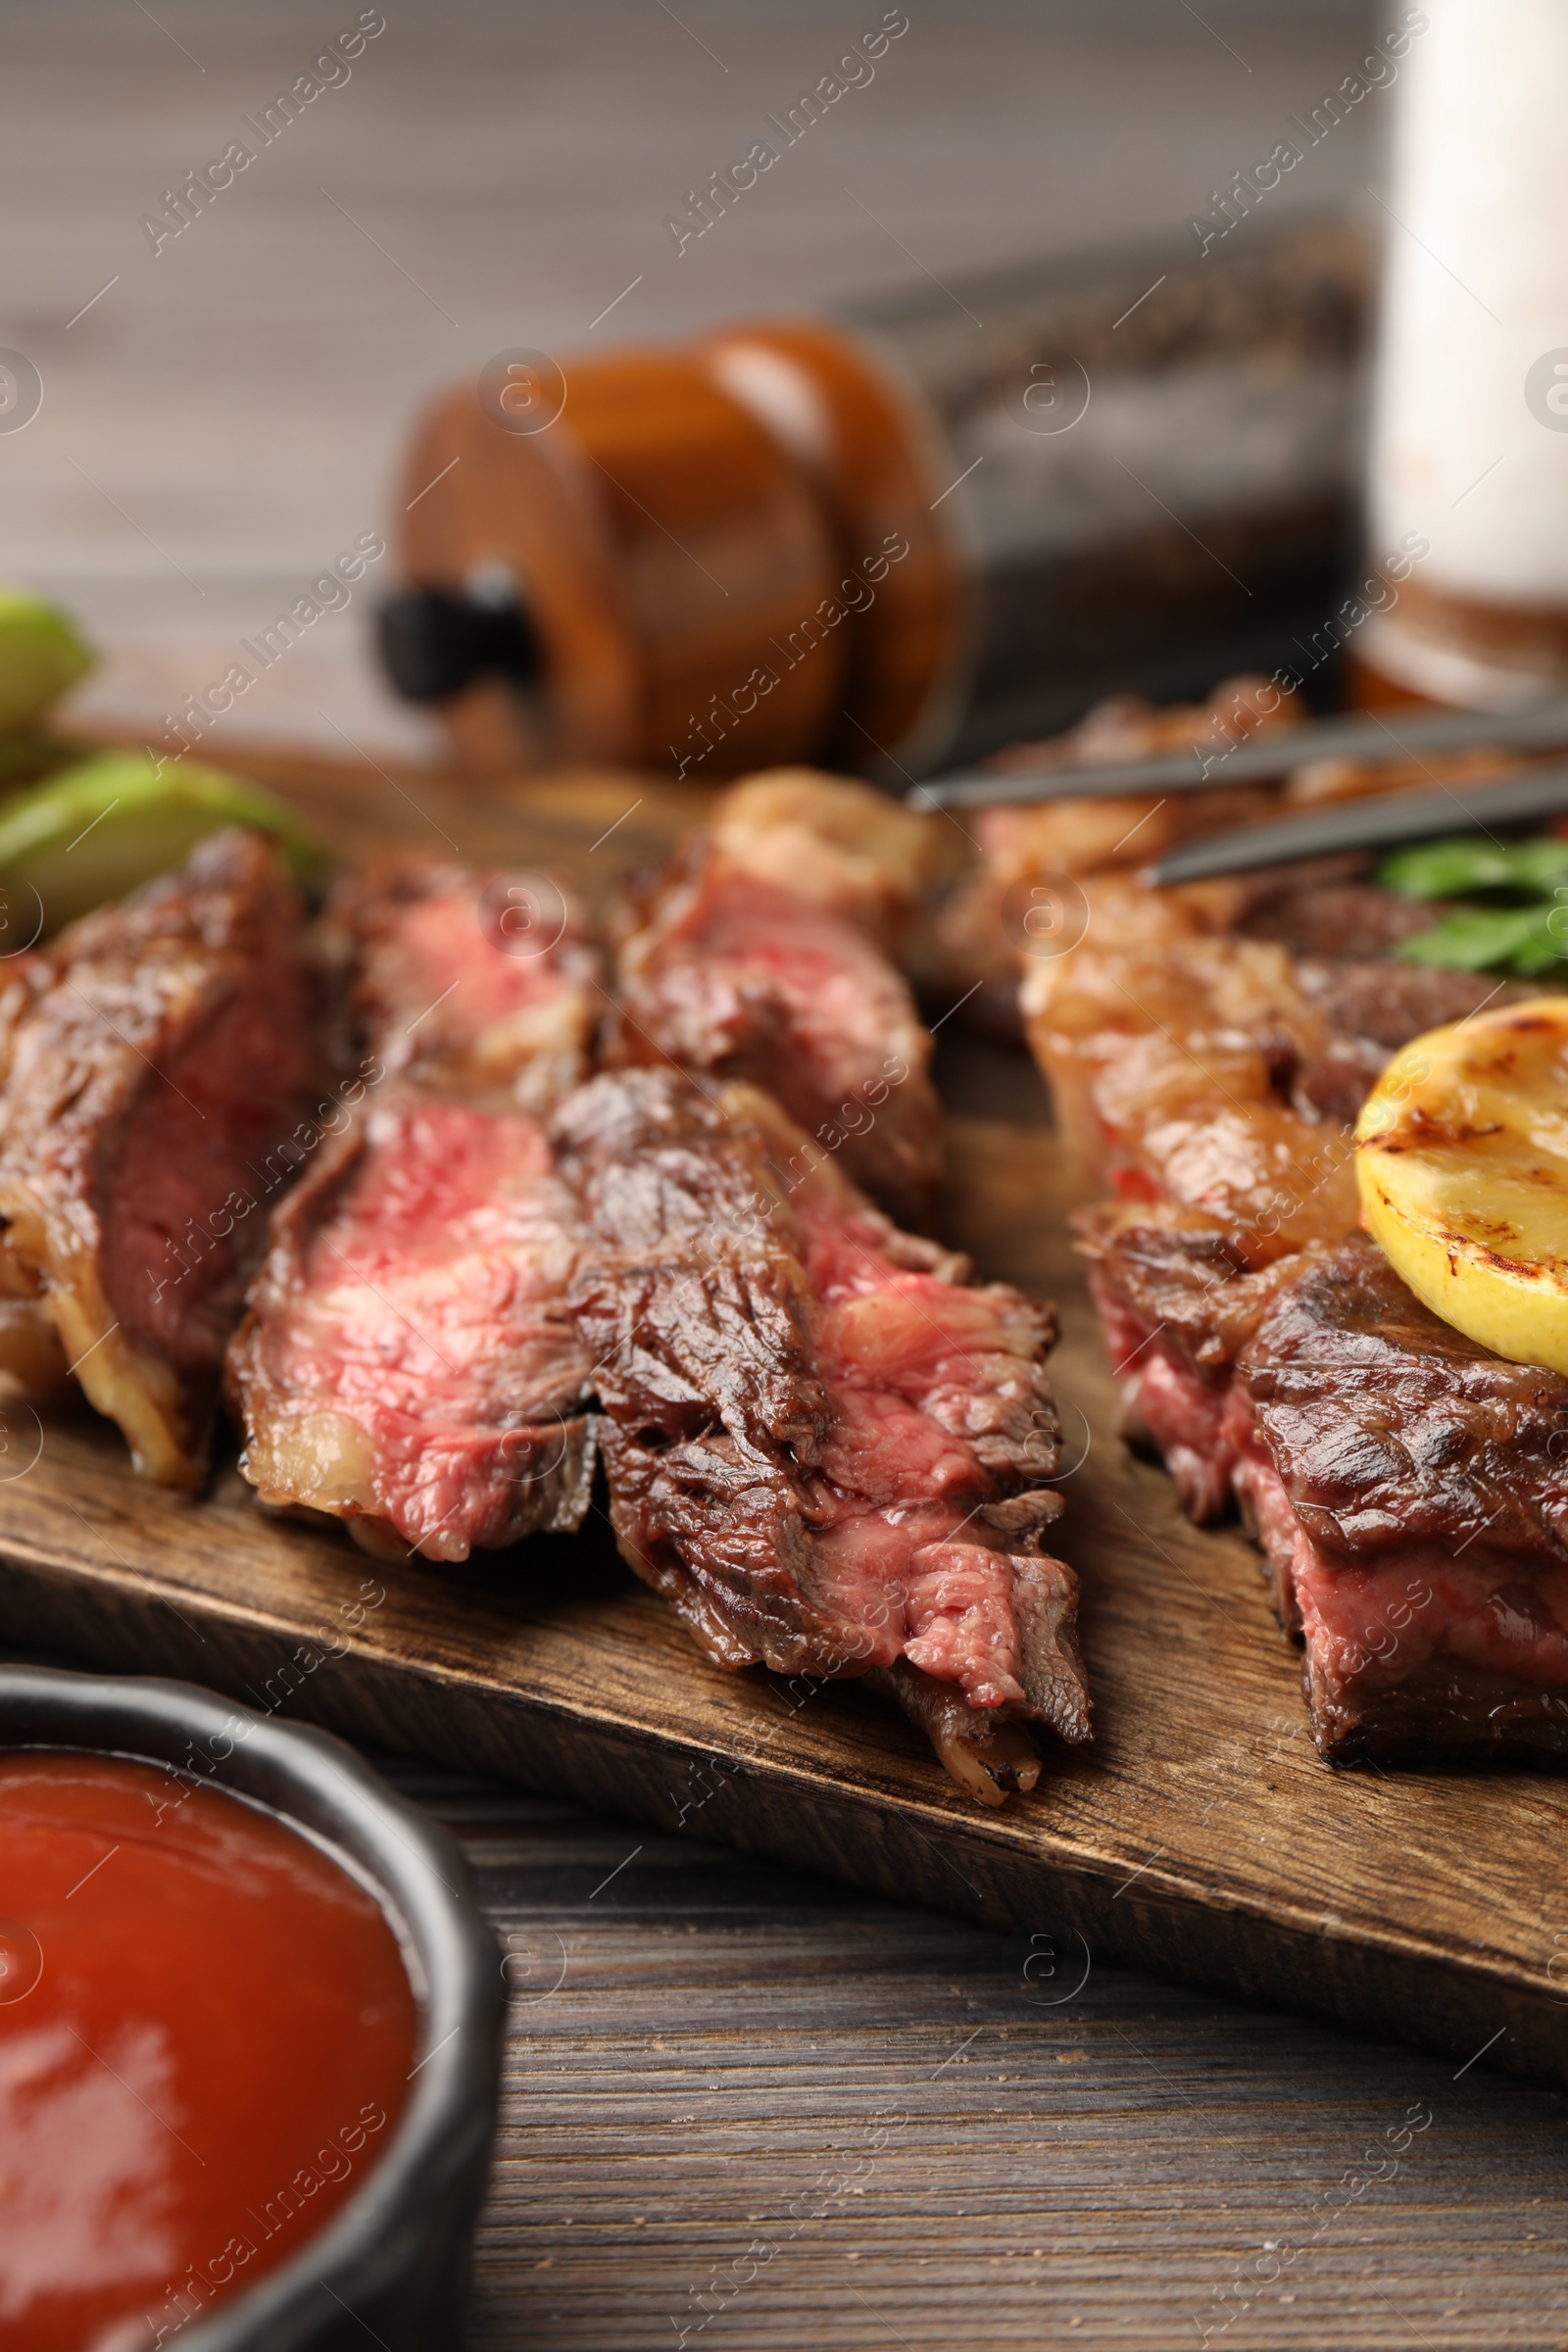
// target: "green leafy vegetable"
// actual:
[[1540, 864], [1493, 939], [1471, 866], [1524, 929]]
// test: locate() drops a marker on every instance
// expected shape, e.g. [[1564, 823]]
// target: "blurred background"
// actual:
[[222, 418]]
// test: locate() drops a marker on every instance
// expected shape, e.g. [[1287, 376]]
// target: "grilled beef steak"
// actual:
[[824, 1448], [1217, 1081], [846, 847], [732, 977], [1408, 1488], [1353, 920], [162, 1086], [1404, 1484], [408, 1363], [1177, 1301], [470, 982], [1405, 1487]]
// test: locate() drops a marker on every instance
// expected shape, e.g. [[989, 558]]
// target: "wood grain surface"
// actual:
[[776, 2115]]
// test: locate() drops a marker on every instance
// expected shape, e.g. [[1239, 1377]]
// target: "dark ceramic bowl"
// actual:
[[392, 2268]]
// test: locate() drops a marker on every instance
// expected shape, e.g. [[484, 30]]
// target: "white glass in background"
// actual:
[[1470, 418]]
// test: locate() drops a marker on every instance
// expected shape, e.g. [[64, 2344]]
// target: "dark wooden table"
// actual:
[[746, 2109]]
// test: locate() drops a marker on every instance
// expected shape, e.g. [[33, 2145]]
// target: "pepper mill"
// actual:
[[897, 535]]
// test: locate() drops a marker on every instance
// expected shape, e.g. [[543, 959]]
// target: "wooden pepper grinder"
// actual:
[[893, 537]]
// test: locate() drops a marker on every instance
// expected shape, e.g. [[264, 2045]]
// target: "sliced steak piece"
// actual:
[[1189, 1064], [732, 977], [825, 1447], [1177, 1300], [163, 1085], [1219, 1082], [1387, 1005], [473, 983], [30, 1350], [408, 1363], [1410, 1489], [1352, 919], [992, 1760], [846, 847]]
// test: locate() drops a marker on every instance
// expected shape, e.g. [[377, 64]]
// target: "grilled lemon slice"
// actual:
[[1463, 1159]]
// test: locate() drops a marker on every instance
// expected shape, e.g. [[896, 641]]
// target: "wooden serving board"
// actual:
[[1200, 1838]]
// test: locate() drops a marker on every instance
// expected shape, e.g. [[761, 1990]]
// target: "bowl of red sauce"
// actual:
[[250, 2027]]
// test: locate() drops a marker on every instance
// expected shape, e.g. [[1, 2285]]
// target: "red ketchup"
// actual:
[[206, 2033]]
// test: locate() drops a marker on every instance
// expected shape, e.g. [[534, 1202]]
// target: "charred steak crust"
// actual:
[[1190, 1280], [1407, 1489], [1178, 1298], [1384, 1006], [162, 1086], [730, 976], [1390, 1429], [824, 1448]]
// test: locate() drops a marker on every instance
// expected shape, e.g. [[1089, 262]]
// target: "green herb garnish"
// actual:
[[1520, 926], [1471, 867], [1493, 939]]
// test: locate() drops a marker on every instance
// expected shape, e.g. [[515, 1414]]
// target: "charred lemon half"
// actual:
[[1462, 1160]]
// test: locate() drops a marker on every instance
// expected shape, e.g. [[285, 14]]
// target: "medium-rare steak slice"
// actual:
[[1410, 1490], [844, 846], [732, 977], [475, 983], [30, 1350], [408, 1363], [1177, 1300], [825, 1447], [161, 1087]]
